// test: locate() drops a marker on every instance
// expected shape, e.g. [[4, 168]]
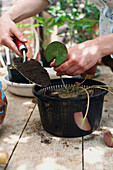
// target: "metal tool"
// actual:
[[12, 69], [21, 47]]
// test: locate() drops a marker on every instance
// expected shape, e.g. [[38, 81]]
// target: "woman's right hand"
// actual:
[[8, 29]]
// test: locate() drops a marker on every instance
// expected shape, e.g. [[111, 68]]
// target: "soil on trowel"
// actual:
[[33, 71]]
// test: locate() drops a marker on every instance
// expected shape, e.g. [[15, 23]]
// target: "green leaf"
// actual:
[[39, 19], [30, 37], [81, 122], [50, 30], [18, 25], [28, 32], [57, 19], [85, 22], [86, 26], [37, 25], [51, 25], [25, 26], [56, 50], [108, 138], [80, 34], [49, 20]]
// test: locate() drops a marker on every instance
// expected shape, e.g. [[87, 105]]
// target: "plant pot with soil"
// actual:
[[70, 107], [58, 107]]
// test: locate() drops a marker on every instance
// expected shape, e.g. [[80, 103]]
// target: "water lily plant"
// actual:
[[58, 51]]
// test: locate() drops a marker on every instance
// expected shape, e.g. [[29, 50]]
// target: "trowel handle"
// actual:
[[20, 45]]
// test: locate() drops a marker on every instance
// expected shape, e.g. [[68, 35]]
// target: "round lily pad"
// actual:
[[56, 50]]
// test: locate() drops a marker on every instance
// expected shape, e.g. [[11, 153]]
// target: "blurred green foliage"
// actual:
[[78, 16]]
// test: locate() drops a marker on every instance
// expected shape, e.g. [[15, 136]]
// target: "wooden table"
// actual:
[[31, 148]]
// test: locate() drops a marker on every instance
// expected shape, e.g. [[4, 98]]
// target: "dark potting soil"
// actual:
[[72, 92], [33, 70]]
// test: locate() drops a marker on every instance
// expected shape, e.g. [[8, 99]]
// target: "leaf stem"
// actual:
[[82, 81], [88, 99], [64, 84], [98, 87]]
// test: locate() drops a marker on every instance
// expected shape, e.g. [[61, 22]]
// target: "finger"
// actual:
[[18, 34], [63, 67], [77, 72], [70, 72], [11, 45], [52, 63], [69, 62], [60, 73]]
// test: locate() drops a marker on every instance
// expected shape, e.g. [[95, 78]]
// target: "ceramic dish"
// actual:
[[19, 89]]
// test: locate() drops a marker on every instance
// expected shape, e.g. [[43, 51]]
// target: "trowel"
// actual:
[[23, 50], [21, 47]]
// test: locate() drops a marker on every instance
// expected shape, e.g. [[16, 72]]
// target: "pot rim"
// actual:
[[40, 96], [10, 83]]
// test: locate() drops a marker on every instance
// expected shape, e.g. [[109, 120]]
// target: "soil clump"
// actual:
[[33, 71]]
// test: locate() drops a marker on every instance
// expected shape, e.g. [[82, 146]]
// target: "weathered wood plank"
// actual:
[[40, 150], [97, 155], [18, 112]]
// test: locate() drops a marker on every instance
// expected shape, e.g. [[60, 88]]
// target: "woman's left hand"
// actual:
[[81, 57]]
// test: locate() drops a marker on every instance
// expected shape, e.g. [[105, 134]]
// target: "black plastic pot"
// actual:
[[14, 75], [57, 114]]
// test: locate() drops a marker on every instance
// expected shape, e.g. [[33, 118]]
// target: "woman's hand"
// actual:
[[21, 10], [80, 58], [8, 29]]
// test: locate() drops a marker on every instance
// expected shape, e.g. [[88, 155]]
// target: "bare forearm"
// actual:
[[23, 9], [105, 44]]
